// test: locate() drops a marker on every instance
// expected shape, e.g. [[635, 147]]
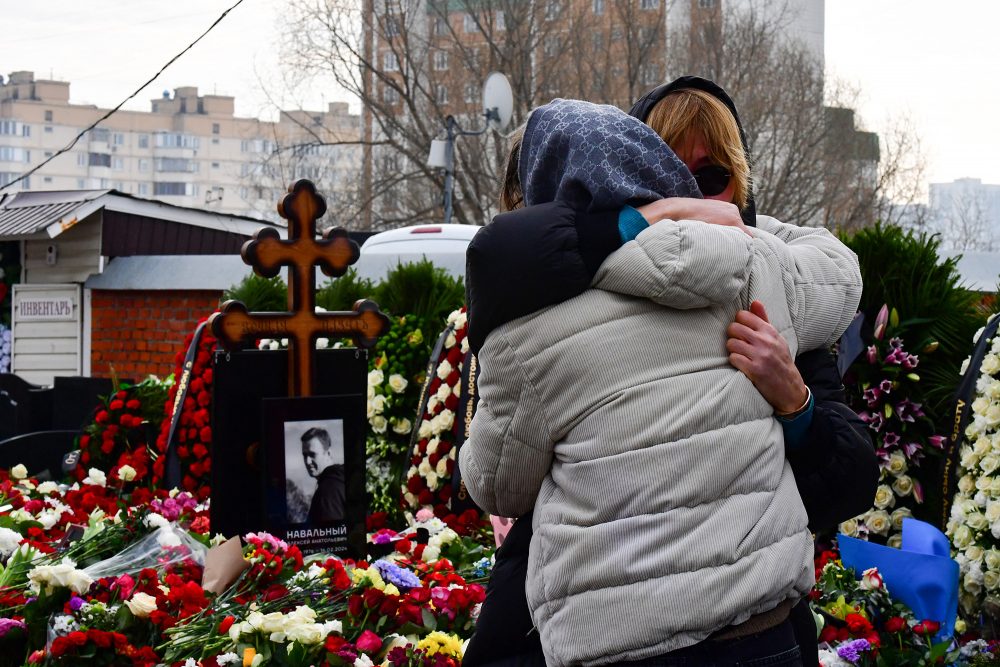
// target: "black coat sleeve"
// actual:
[[835, 469], [532, 258]]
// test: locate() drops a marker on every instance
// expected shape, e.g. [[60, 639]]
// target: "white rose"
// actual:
[[45, 488], [444, 370], [895, 541], [992, 559], [432, 404], [363, 661], [897, 463], [993, 415], [375, 378], [18, 471], [989, 463], [984, 483], [432, 481], [897, 517], [424, 468], [447, 418], [982, 446], [460, 321], [884, 497], [126, 473], [849, 528], [977, 521], [449, 342], [963, 537], [993, 511], [456, 391], [379, 403], [993, 391], [878, 522], [965, 366], [991, 364], [442, 467], [425, 429], [398, 383], [991, 579], [379, 423], [995, 487], [431, 554], [9, 541], [402, 426], [903, 486], [48, 518], [322, 343], [96, 477], [371, 392], [969, 458], [972, 583], [141, 605], [980, 405], [443, 392], [432, 445], [465, 346], [967, 484], [975, 553]]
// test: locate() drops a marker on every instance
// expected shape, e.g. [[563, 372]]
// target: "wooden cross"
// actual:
[[302, 325]]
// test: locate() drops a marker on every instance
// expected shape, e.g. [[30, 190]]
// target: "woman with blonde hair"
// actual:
[[544, 254]]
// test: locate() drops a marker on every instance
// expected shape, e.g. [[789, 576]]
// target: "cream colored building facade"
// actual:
[[189, 149]]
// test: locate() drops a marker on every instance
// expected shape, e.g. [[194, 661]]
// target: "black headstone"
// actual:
[[24, 407], [40, 452], [75, 398], [240, 381]]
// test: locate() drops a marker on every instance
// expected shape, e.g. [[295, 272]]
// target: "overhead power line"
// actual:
[[110, 113]]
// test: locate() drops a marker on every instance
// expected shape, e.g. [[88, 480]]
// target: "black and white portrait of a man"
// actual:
[[314, 466]]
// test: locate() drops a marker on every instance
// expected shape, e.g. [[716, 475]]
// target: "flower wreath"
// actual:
[[974, 524], [428, 480]]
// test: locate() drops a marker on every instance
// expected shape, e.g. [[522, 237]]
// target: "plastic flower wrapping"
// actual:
[[974, 523], [5, 349]]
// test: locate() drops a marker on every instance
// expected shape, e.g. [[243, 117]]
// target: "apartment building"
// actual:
[[188, 149]]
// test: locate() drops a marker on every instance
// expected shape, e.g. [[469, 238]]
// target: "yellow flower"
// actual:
[[439, 642], [248, 655]]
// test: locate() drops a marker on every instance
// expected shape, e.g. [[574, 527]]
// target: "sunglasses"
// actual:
[[712, 179]]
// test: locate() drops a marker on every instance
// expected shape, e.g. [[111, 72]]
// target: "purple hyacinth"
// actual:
[[394, 574], [851, 651], [75, 603]]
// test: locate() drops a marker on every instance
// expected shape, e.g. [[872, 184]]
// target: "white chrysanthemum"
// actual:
[[9, 541]]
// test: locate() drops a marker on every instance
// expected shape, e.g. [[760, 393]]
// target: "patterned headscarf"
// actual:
[[596, 157]]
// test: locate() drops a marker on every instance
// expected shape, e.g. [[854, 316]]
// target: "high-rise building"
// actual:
[[189, 149]]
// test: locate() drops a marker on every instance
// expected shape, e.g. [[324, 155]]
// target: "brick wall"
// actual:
[[140, 333]]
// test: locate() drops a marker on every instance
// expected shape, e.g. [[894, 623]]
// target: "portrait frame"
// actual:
[[284, 423]]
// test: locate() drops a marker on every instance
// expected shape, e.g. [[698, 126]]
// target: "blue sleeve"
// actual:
[[796, 427], [630, 224]]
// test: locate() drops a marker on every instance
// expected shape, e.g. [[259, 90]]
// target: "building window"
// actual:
[[649, 4], [215, 140], [175, 140], [143, 165], [598, 7], [392, 26], [48, 128], [440, 27], [25, 130], [176, 164], [469, 23], [390, 62], [99, 160], [48, 153], [80, 184], [11, 154], [440, 60], [175, 189], [215, 128], [552, 10], [501, 23], [442, 95], [390, 95], [117, 163], [81, 159], [47, 179], [706, 4], [215, 165], [144, 188], [118, 139], [597, 42], [48, 115], [143, 141], [551, 47], [100, 134], [9, 127], [471, 93]]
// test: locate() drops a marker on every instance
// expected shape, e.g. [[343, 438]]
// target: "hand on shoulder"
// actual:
[[710, 211]]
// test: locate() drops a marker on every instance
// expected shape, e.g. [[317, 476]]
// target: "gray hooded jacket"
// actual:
[[664, 509]]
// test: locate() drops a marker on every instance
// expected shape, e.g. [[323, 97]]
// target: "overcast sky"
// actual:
[[938, 63]]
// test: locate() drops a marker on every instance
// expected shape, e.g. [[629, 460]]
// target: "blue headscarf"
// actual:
[[596, 157]]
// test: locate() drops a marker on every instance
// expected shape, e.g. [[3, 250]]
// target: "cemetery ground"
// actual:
[[157, 541]]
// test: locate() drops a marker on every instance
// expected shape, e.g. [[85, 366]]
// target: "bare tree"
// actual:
[[963, 219]]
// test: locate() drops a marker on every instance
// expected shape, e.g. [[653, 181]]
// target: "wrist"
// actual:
[[796, 406]]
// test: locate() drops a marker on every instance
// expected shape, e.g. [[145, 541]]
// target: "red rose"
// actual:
[[101, 639], [368, 642], [121, 395], [206, 376], [84, 440], [355, 605], [205, 434], [372, 597], [204, 399], [858, 624], [926, 627], [334, 643], [895, 624], [102, 417], [425, 497], [116, 405], [133, 404]]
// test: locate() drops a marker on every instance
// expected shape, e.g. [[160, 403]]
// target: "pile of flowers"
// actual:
[[194, 434], [974, 524], [119, 437], [126, 589], [428, 480], [881, 386], [863, 625]]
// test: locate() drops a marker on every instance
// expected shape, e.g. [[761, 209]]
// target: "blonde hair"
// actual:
[[689, 110], [511, 195]]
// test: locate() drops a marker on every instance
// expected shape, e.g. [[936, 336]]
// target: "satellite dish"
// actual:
[[498, 101]]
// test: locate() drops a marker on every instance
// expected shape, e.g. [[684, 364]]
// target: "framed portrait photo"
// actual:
[[314, 462]]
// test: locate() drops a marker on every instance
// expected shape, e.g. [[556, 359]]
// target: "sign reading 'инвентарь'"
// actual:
[[52, 308]]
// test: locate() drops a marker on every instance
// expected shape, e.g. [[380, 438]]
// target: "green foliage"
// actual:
[[420, 289], [341, 293], [903, 270], [259, 294]]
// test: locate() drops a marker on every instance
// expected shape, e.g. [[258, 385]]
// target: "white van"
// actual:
[[444, 245]]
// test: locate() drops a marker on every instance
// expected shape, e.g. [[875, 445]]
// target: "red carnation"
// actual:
[[895, 624], [404, 546], [334, 643], [858, 624], [133, 404]]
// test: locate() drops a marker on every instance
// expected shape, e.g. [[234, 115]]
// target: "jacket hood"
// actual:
[[596, 157], [646, 103]]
